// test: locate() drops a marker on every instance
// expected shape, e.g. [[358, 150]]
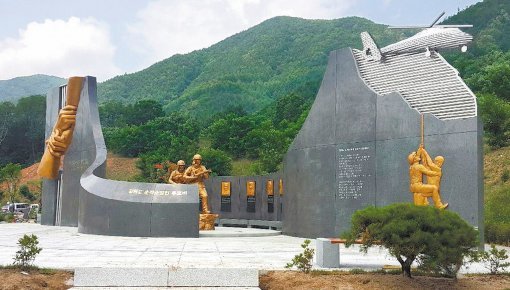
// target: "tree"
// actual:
[[6, 112], [113, 114], [11, 174], [495, 114], [143, 111], [410, 231], [216, 160], [228, 134]]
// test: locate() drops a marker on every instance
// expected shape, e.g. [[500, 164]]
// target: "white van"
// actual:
[[18, 207]]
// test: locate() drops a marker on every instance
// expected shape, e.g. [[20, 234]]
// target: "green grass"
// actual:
[[242, 167]]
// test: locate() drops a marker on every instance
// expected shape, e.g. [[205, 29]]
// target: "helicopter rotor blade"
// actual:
[[407, 27], [437, 19]]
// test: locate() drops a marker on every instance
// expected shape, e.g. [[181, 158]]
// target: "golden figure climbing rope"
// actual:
[[431, 169]]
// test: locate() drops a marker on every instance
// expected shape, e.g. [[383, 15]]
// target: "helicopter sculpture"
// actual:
[[432, 38]]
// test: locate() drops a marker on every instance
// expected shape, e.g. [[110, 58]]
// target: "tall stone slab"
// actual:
[[352, 153]]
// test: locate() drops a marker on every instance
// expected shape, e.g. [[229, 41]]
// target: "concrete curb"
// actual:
[[165, 277]]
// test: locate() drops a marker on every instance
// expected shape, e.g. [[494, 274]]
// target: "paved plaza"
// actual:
[[65, 248]]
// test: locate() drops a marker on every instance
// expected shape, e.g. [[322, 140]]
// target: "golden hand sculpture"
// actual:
[[62, 134]]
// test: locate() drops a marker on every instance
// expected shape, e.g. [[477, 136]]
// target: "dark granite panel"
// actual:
[[355, 103], [49, 187], [480, 176], [174, 220], [310, 192], [321, 119], [355, 178], [93, 215], [48, 202], [129, 218]]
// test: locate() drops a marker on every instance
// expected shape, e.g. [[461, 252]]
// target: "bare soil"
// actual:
[[346, 280], [11, 279]]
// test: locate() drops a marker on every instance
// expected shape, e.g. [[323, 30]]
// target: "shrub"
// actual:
[[494, 259], [27, 252], [505, 176], [6, 217], [439, 237], [303, 261]]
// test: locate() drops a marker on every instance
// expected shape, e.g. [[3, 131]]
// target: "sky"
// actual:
[[105, 38]]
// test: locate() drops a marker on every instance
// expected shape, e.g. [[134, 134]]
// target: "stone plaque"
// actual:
[[270, 195], [355, 172], [250, 196], [226, 201], [269, 187], [225, 188]]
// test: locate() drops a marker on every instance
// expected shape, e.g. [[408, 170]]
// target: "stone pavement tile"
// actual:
[[211, 277], [199, 260], [120, 277]]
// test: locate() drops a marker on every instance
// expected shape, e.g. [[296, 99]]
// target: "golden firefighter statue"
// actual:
[[432, 170], [177, 176], [197, 173], [62, 134]]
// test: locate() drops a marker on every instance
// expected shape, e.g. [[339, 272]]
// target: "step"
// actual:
[[165, 277]]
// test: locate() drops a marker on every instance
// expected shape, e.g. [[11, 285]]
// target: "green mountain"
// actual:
[[14, 89], [250, 69]]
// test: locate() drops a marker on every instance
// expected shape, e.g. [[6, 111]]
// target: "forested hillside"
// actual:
[[250, 69], [16, 88]]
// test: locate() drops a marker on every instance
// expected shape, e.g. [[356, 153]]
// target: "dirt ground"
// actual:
[[346, 280], [11, 279]]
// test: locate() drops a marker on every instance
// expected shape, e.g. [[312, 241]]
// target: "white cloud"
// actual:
[[61, 48], [167, 27]]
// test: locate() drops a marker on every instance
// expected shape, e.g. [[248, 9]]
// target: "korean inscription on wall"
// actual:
[[353, 171]]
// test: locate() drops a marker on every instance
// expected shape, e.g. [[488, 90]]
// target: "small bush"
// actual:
[[439, 238], [505, 176], [27, 252], [303, 261], [494, 259], [6, 217]]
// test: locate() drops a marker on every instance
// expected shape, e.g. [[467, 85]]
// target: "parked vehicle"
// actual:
[[5, 208], [17, 207]]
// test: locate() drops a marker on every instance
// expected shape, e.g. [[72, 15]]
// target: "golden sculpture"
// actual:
[[421, 191], [269, 187], [225, 188], [250, 188], [177, 176], [62, 134], [197, 173], [206, 222]]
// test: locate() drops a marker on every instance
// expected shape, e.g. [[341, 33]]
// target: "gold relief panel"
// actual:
[[269, 187], [280, 187], [250, 188], [225, 188]]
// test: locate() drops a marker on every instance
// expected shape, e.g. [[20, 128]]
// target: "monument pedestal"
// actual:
[[206, 222]]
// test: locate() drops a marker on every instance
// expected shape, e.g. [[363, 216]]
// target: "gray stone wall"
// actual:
[[108, 207], [352, 152], [239, 201]]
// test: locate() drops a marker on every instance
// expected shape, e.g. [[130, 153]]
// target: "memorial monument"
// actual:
[[81, 196], [351, 151], [349, 154]]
